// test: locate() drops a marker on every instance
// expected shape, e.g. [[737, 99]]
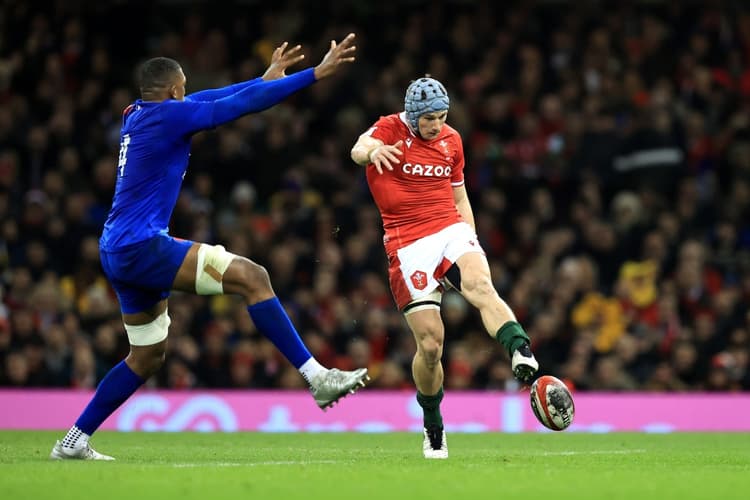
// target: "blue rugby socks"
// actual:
[[121, 382], [272, 321], [113, 390]]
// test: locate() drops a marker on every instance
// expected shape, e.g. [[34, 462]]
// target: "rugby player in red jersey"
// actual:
[[415, 170]]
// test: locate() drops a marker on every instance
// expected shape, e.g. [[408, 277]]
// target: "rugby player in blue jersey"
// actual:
[[143, 262]]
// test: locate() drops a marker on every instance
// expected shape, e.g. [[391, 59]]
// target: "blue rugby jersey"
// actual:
[[155, 147]]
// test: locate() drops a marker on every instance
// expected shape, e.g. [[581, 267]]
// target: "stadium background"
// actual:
[[608, 164]]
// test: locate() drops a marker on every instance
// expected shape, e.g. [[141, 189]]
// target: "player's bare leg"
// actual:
[[497, 317], [427, 370], [429, 333], [211, 270]]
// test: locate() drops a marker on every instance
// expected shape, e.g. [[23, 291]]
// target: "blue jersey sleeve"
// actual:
[[214, 94], [188, 117]]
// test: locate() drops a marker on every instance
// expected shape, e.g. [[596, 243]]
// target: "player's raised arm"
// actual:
[[210, 95], [190, 116], [338, 54], [280, 61]]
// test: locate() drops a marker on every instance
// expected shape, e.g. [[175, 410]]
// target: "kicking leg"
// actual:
[[476, 286], [211, 270]]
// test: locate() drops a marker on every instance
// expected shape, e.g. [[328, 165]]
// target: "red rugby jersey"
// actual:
[[416, 198]]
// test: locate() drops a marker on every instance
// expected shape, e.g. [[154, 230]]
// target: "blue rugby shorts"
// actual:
[[142, 274]]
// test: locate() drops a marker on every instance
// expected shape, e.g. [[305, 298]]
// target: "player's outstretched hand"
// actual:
[[386, 156], [281, 59], [336, 55]]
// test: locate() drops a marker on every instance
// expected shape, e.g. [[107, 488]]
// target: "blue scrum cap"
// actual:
[[424, 95]]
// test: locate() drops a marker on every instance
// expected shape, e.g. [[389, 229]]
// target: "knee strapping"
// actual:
[[150, 333], [213, 261], [431, 301]]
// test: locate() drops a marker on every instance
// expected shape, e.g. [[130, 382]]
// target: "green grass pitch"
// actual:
[[381, 466]]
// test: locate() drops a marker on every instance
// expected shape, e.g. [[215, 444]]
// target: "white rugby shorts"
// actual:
[[415, 269]]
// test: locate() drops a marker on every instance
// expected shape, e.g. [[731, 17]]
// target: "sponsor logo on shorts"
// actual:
[[419, 280]]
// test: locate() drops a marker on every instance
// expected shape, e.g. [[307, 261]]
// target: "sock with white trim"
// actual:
[[113, 390], [75, 438], [272, 321], [310, 369]]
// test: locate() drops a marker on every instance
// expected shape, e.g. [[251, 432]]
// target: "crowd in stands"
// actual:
[[607, 161]]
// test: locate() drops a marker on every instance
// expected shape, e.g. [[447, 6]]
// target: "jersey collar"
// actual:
[[402, 117]]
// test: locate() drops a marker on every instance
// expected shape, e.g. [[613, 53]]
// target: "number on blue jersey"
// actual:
[[123, 154]]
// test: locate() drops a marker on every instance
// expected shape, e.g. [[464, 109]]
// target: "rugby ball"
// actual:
[[552, 403]]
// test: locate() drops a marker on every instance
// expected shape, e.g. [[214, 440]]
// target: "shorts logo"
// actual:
[[419, 280]]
